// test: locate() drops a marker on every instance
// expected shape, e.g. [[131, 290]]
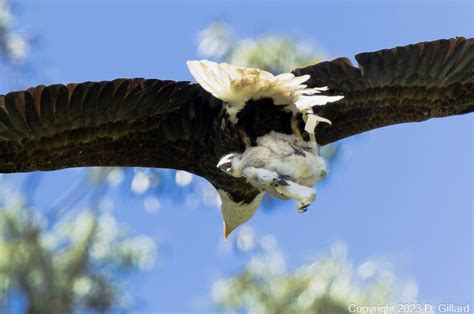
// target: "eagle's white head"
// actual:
[[236, 213]]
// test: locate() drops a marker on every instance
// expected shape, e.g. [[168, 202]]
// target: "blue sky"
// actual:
[[403, 192]]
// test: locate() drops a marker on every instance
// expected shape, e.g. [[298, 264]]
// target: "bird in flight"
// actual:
[[247, 131]]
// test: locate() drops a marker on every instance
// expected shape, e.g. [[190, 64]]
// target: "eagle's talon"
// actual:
[[302, 210], [225, 163]]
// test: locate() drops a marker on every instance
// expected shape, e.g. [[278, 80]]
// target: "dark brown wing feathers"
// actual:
[[155, 123], [58, 121], [403, 84]]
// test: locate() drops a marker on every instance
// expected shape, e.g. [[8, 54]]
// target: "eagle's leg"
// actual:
[[244, 137], [295, 122], [225, 163]]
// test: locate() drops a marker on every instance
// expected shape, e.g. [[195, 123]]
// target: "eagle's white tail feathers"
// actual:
[[236, 85], [208, 76]]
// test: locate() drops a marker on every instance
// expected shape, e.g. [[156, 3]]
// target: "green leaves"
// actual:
[[271, 53], [69, 264], [329, 284]]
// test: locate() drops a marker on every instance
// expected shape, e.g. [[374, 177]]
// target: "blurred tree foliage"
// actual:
[[65, 261], [275, 54], [14, 46], [329, 285]]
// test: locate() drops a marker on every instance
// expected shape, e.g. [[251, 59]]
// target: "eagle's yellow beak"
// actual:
[[227, 231]]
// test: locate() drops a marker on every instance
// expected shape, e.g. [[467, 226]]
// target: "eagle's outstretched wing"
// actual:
[[125, 122], [154, 123], [403, 84]]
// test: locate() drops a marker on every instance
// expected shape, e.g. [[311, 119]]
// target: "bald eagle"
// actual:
[[245, 130]]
